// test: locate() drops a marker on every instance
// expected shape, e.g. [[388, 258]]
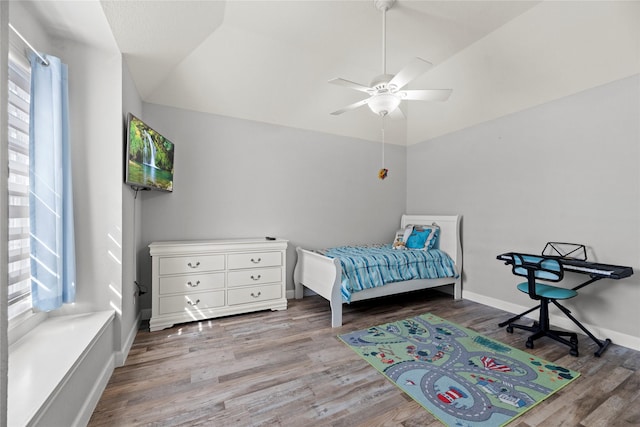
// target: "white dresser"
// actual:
[[195, 280]]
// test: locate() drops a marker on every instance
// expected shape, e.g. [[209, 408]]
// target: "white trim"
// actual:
[[618, 338], [93, 397], [121, 356], [58, 354], [20, 325], [4, 208]]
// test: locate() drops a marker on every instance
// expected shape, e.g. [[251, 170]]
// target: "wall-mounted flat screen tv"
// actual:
[[149, 162]]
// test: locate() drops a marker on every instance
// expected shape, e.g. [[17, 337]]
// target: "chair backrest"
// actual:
[[535, 267]]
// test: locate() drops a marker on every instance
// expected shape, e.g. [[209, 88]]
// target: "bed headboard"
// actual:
[[449, 240]]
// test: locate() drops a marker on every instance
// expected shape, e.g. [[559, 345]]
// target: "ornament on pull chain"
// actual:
[[383, 172]]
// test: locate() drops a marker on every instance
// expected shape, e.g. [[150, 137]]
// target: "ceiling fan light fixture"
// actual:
[[384, 103], [386, 90]]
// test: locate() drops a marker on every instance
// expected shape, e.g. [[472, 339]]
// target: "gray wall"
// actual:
[[563, 171], [239, 178]]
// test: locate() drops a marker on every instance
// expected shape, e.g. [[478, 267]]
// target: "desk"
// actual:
[[596, 271]]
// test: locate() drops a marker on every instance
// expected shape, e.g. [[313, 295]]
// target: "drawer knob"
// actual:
[[256, 295], [256, 261], [256, 278], [192, 285], [196, 265], [193, 304]]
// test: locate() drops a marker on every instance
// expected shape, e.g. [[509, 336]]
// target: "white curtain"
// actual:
[[53, 267]]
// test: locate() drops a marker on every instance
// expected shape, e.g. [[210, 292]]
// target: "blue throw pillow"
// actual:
[[418, 238]]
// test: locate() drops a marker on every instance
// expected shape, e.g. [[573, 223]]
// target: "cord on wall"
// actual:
[[136, 189], [140, 289]]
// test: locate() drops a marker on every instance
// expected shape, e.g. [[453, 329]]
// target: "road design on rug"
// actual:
[[460, 376]]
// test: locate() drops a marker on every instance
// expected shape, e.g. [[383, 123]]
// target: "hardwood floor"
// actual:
[[288, 368]]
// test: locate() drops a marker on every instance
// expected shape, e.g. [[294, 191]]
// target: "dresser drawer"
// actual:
[[191, 264], [191, 283], [191, 302], [251, 294], [254, 276], [255, 259]]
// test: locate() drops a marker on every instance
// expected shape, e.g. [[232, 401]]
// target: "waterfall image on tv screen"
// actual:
[[149, 157]]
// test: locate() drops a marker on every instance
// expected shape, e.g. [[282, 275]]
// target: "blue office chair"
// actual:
[[536, 268]]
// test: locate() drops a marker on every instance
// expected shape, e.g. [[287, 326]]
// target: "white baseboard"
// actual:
[[94, 396], [121, 356], [560, 321]]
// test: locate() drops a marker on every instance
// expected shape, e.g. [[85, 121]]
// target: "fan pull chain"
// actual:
[[383, 172], [383, 141]]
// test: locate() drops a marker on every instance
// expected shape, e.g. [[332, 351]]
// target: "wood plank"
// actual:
[[288, 368]]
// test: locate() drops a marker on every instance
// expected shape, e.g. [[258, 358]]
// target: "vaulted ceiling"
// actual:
[[270, 60]]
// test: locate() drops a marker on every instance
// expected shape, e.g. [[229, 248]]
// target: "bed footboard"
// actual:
[[323, 276]]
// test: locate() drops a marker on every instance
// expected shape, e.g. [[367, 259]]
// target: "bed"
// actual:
[[324, 276]]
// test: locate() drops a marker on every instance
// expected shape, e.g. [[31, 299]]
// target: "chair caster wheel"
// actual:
[[573, 352], [510, 329], [529, 344]]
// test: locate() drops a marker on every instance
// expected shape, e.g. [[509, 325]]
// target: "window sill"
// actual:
[[21, 325], [43, 360]]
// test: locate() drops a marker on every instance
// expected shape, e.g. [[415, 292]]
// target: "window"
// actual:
[[19, 268]]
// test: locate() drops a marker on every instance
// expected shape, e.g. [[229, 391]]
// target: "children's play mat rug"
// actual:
[[461, 377]]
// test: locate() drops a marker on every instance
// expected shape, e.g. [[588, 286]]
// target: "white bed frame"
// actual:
[[323, 275]]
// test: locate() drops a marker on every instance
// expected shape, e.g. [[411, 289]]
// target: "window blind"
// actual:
[[19, 269]]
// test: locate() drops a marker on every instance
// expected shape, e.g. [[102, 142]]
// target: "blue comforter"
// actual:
[[366, 267]]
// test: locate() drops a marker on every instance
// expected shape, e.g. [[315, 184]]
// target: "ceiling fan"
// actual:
[[385, 92]]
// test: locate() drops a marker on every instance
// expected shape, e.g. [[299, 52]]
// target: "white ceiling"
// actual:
[[270, 60]]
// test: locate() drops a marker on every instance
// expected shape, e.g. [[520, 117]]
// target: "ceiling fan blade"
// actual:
[[351, 107], [351, 85], [410, 72], [426, 94]]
